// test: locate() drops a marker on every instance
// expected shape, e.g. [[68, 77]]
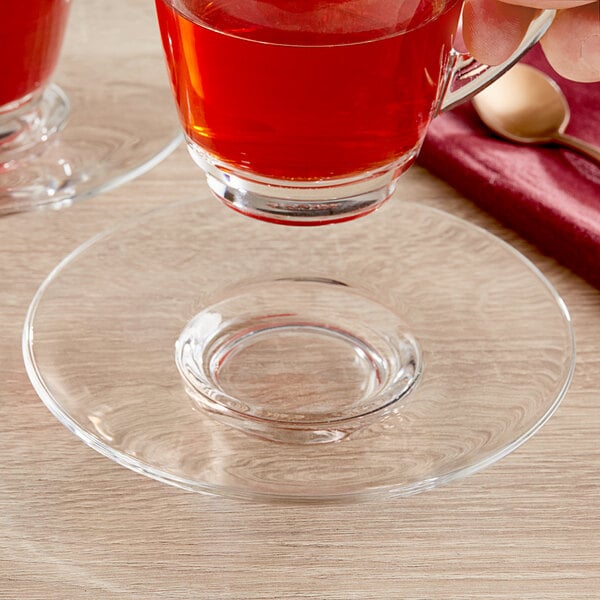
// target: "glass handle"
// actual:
[[468, 76]]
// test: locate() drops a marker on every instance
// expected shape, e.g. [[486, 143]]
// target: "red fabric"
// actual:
[[548, 195]]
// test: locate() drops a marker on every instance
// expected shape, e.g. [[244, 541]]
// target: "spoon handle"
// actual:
[[573, 143]]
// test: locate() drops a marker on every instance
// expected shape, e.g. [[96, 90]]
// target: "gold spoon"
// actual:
[[527, 107]]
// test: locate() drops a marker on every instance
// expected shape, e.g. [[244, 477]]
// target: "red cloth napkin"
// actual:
[[548, 195]]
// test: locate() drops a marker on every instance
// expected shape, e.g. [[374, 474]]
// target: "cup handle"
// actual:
[[467, 76]]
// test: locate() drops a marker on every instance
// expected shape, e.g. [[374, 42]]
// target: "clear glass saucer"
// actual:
[[496, 347], [114, 110]]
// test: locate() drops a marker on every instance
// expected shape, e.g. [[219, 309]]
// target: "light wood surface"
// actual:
[[74, 525]]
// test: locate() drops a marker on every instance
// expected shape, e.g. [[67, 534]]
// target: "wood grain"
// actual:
[[74, 525]]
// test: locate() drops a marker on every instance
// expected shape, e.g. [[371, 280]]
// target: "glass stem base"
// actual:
[[31, 124]]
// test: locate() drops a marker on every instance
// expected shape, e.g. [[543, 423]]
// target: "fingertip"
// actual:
[[572, 44], [493, 30]]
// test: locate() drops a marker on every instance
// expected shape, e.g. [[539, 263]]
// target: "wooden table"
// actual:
[[74, 525]]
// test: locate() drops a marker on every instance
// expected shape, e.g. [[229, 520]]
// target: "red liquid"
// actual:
[[31, 33], [288, 95]]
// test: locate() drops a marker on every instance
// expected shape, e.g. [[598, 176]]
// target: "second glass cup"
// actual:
[[110, 119], [31, 111]]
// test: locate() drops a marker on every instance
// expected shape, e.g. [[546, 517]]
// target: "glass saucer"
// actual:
[[118, 112], [496, 343]]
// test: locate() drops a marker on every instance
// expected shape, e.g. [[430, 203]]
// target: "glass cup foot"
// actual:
[[298, 360], [23, 135], [300, 202]]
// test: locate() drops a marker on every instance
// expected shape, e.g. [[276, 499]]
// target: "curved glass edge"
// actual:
[[141, 169], [110, 184], [374, 493]]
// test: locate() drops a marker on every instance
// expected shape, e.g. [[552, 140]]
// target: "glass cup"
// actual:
[[308, 111], [31, 111]]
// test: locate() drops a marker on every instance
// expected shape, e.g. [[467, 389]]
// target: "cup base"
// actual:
[[299, 202], [496, 340], [298, 360]]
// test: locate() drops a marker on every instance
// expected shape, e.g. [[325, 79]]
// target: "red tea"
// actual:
[[307, 89], [31, 33]]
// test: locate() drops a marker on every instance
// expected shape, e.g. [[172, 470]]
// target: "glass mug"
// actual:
[[31, 36], [308, 111]]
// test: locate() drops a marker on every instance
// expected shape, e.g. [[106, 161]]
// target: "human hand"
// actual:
[[493, 29]]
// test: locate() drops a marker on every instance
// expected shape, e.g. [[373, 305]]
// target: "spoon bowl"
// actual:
[[527, 107]]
